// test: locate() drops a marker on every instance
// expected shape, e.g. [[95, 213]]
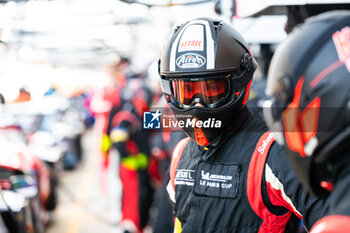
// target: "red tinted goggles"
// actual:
[[209, 92]]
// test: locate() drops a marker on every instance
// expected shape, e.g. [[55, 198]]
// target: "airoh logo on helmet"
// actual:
[[190, 60]]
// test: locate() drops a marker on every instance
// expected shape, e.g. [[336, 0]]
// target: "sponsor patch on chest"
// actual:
[[217, 180], [184, 177]]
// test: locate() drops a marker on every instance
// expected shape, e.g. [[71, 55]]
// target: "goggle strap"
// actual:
[[166, 86], [241, 81]]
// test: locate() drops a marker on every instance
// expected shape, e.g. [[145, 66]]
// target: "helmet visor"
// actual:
[[207, 92]]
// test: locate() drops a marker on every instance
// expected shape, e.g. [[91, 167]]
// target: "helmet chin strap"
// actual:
[[236, 124]]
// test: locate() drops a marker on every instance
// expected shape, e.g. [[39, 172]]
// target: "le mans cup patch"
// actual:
[[217, 180], [192, 39], [152, 120], [190, 60]]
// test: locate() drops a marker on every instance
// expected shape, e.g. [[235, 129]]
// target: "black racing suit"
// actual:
[[220, 189]]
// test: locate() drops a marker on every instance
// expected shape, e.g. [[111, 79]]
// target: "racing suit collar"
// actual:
[[240, 121]]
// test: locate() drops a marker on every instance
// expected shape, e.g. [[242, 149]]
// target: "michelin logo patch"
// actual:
[[217, 180], [151, 120], [190, 60]]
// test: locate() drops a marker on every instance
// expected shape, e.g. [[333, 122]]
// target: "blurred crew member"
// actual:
[[111, 95], [101, 102], [309, 82], [23, 95], [133, 146]]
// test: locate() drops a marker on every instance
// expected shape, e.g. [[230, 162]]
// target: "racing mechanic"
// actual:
[[228, 175], [309, 84]]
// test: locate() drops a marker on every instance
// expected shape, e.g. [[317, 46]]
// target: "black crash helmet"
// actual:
[[206, 70], [309, 84]]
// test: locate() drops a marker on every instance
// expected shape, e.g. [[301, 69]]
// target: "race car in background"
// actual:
[[26, 191]]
